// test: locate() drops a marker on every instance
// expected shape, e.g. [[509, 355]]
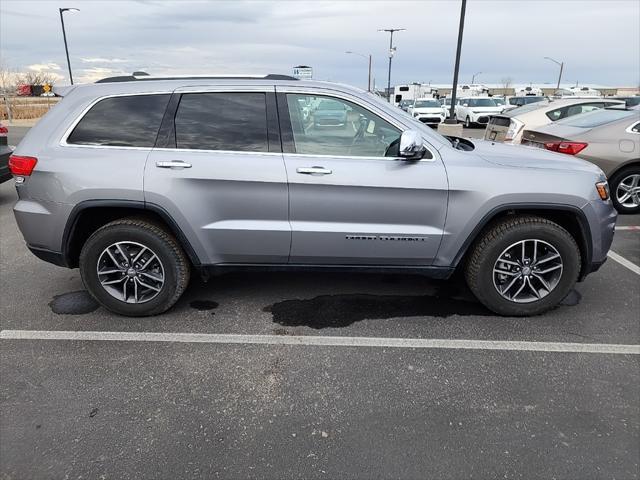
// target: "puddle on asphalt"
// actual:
[[572, 299], [343, 310], [337, 311], [73, 303], [204, 305]]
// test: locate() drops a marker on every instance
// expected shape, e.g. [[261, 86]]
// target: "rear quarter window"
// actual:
[[127, 121]]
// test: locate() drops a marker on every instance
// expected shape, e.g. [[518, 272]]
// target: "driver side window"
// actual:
[[331, 126]]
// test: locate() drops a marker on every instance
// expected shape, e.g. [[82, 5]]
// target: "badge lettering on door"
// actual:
[[386, 238]]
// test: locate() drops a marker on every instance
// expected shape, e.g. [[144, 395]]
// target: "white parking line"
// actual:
[[426, 343], [624, 262], [628, 227]]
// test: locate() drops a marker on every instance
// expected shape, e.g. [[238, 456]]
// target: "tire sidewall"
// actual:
[[614, 182], [119, 233], [559, 239]]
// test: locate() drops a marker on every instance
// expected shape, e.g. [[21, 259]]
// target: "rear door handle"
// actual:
[[314, 171], [172, 164]]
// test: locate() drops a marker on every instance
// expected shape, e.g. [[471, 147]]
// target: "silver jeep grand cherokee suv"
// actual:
[[139, 180]]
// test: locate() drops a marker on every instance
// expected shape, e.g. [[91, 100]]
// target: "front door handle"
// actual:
[[314, 171], [172, 164]]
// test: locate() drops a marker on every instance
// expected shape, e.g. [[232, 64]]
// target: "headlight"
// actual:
[[514, 128]]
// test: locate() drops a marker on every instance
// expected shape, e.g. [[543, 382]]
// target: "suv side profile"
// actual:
[[139, 180]]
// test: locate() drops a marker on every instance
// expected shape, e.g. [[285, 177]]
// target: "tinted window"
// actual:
[[131, 121], [597, 118], [348, 131], [222, 121], [636, 128], [481, 102]]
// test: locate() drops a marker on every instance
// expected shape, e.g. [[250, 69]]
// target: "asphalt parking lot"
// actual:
[[275, 375]]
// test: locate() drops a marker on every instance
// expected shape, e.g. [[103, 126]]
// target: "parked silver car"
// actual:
[[138, 180], [608, 138], [508, 126]]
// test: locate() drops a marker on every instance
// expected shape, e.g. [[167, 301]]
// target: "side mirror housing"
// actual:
[[465, 104], [411, 145]]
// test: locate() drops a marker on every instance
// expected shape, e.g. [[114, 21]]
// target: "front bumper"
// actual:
[[430, 118], [601, 217]]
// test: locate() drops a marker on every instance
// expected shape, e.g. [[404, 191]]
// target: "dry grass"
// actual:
[[27, 107]]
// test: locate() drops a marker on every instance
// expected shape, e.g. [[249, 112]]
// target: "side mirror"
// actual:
[[465, 104], [411, 145]]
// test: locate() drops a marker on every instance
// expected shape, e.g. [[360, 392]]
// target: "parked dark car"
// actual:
[[5, 152]]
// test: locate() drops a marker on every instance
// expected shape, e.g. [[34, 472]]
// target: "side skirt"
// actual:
[[220, 269]]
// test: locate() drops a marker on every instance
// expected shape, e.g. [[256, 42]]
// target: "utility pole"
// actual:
[[561, 65], [365, 57], [457, 65], [64, 36], [473, 79], [392, 51]]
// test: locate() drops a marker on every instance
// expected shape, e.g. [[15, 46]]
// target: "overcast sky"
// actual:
[[598, 40]]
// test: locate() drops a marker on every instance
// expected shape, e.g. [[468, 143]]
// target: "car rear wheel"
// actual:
[[625, 190], [523, 265], [134, 267]]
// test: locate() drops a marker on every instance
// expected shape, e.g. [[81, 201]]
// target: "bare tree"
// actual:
[[37, 78], [506, 82]]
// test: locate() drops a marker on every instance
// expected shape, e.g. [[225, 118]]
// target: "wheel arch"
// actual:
[[86, 217], [569, 217], [629, 163]]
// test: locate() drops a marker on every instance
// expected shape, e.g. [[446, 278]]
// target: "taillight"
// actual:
[[3, 131], [570, 148], [22, 166]]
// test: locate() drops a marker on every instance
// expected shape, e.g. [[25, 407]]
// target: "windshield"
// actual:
[[480, 102], [527, 108], [426, 104], [499, 101], [596, 118]]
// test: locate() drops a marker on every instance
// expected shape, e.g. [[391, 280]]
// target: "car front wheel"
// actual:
[[467, 122], [524, 265], [134, 267]]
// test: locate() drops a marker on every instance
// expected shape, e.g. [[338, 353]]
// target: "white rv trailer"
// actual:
[[413, 91]]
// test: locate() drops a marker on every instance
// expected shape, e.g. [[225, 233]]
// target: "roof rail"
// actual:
[[142, 76]]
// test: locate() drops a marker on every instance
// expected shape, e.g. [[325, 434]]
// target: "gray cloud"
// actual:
[[597, 40]]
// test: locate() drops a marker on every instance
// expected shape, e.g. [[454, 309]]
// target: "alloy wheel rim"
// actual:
[[130, 272], [628, 191], [527, 271]]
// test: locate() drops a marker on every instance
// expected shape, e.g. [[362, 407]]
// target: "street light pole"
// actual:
[[561, 65], [457, 66], [391, 53], [365, 57], [473, 79], [64, 36]]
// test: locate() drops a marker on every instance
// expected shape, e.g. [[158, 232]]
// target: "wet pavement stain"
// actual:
[[73, 303], [572, 299], [203, 305], [339, 311]]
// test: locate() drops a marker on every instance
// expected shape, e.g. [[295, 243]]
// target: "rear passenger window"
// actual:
[[128, 121], [222, 121]]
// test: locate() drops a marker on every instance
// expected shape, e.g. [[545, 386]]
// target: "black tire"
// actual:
[[163, 244], [467, 122], [614, 182], [504, 233]]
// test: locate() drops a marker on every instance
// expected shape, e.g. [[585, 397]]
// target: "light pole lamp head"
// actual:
[[72, 10]]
